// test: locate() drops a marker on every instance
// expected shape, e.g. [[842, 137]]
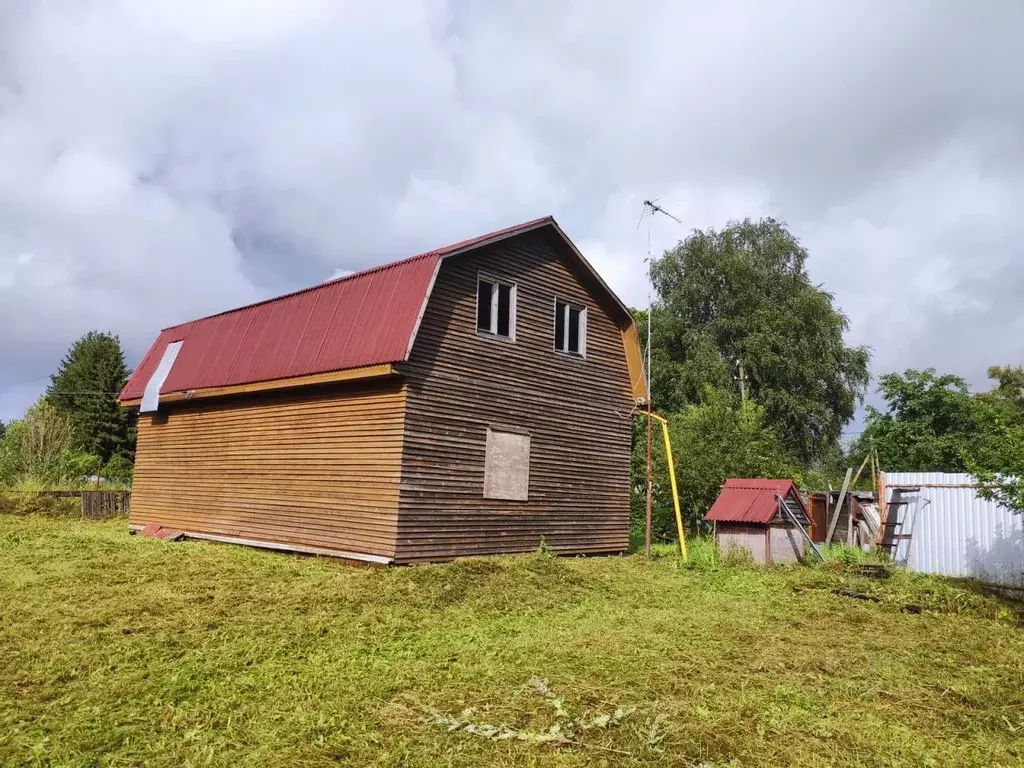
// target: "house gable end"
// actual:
[[590, 290], [472, 393]]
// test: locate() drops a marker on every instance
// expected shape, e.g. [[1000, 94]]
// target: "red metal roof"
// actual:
[[369, 318], [751, 500]]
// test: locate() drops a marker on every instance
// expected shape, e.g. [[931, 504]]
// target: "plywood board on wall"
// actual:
[[507, 466]]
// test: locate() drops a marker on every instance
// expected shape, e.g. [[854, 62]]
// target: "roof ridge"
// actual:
[[755, 480], [434, 253]]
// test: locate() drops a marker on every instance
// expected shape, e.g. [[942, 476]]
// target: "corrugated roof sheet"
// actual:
[[958, 533], [751, 500], [368, 318]]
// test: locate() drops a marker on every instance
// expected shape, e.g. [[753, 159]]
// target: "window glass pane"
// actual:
[[560, 326], [483, 306], [504, 309], [574, 330]]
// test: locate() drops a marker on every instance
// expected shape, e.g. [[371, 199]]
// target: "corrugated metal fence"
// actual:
[[958, 533]]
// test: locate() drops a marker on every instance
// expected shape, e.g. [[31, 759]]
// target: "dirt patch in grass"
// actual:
[[118, 650]]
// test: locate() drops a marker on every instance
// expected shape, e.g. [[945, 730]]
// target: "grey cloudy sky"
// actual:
[[166, 159]]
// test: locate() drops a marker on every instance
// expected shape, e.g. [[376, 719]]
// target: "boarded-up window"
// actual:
[[507, 466]]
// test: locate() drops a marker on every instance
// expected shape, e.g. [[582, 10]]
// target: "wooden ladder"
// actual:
[[897, 515]]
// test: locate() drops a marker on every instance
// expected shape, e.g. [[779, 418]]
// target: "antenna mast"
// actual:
[[650, 208]]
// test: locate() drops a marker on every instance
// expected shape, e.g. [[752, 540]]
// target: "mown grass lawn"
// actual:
[[118, 650]]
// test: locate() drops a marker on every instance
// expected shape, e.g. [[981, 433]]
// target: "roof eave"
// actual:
[[330, 377]]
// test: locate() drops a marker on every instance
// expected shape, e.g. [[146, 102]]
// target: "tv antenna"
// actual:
[[651, 208]]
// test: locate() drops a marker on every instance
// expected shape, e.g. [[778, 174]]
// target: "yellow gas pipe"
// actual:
[[672, 477]]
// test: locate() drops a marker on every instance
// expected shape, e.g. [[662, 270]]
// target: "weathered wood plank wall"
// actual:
[[576, 411], [100, 505], [315, 467]]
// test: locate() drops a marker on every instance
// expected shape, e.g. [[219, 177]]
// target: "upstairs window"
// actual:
[[496, 307], [570, 328]]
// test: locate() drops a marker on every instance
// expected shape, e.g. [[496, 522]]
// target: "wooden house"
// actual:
[[471, 400], [749, 517]]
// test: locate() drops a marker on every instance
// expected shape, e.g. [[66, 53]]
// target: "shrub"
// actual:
[[118, 470], [25, 499], [702, 552], [38, 448], [737, 556], [844, 554]]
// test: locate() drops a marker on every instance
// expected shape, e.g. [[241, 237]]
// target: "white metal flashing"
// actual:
[[151, 395]]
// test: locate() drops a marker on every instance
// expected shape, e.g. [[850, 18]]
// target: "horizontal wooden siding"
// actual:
[[577, 412], [316, 467]]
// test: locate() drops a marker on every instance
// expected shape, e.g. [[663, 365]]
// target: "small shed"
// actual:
[[748, 516]]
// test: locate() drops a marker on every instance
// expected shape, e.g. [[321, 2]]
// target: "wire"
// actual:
[[115, 394]]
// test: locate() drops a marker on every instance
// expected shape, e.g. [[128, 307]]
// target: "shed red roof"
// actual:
[[369, 318], [751, 500]]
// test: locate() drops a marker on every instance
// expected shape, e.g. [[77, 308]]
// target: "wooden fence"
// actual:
[[97, 505]]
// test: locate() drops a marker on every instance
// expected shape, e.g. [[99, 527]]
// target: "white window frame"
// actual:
[[565, 327], [512, 302]]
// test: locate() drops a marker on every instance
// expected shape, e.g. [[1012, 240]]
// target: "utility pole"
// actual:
[[741, 377], [650, 208]]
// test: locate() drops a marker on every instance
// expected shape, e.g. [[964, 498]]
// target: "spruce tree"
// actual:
[[85, 388]]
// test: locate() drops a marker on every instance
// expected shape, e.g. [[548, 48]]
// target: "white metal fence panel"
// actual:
[[958, 533]]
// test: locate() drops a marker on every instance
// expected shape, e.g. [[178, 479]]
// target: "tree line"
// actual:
[[76, 430], [934, 423], [752, 370]]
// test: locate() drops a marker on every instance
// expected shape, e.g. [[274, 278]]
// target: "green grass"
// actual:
[[118, 650]]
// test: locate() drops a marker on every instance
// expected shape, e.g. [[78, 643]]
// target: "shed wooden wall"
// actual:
[[576, 411], [313, 467]]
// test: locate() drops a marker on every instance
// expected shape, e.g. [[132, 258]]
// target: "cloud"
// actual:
[[930, 265], [167, 159]]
